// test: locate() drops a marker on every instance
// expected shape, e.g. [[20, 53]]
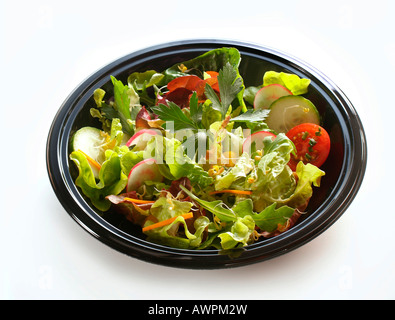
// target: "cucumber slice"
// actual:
[[89, 140], [289, 111], [266, 95]]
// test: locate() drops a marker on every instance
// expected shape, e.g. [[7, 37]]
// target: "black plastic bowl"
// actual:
[[344, 168]]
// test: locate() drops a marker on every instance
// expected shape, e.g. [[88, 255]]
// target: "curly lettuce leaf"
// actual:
[[111, 178], [241, 169], [166, 208], [165, 236], [143, 80], [140, 81], [239, 234], [291, 81], [286, 190], [276, 155], [129, 158], [174, 163], [235, 227], [308, 176], [274, 180]]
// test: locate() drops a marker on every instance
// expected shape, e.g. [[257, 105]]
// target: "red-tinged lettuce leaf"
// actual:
[[142, 119], [179, 96], [135, 212], [176, 190]]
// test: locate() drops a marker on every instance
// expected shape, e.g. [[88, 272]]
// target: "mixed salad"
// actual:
[[197, 159]]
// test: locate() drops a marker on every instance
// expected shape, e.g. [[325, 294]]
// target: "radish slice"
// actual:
[[257, 137], [141, 138], [265, 96], [145, 170]]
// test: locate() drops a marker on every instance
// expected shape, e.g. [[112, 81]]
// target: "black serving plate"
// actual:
[[344, 168]]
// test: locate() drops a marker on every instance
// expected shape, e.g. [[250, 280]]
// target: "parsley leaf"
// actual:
[[194, 108], [252, 116], [173, 113], [119, 109], [229, 86]]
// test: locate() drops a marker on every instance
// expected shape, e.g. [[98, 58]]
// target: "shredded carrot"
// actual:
[[167, 221], [232, 191], [137, 200], [92, 161]]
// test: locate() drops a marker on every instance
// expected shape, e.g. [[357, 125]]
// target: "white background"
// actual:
[[48, 48]]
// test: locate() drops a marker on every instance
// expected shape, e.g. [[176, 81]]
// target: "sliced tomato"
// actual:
[[312, 144]]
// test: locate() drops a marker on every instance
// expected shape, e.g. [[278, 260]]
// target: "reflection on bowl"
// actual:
[[344, 168]]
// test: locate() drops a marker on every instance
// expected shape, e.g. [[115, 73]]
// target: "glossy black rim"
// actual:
[[342, 194]]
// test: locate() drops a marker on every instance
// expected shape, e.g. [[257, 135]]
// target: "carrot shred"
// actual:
[[137, 200], [232, 191], [92, 161], [167, 221]]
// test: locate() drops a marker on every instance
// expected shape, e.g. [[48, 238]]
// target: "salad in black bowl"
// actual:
[[206, 155]]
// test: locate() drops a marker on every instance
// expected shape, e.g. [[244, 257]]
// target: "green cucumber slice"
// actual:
[[89, 140], [289, 111]]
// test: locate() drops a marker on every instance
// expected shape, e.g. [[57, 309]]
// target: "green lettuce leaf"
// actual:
[[111, 178], [122, 104], [174, 163], [276, 155], [116, 131], [291, 81], [240, 233], [215, 207], [125, 98], [270, 217], [286, 190], [213, 60], [166, 236], [241, 169], [166, 208], [308, 176], [129, 158], [142, 80], [274, 180]]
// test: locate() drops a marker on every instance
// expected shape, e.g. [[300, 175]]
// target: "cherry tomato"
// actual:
[[312, 144]]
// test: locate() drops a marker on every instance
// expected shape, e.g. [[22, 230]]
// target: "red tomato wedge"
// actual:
[[312, 144]]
